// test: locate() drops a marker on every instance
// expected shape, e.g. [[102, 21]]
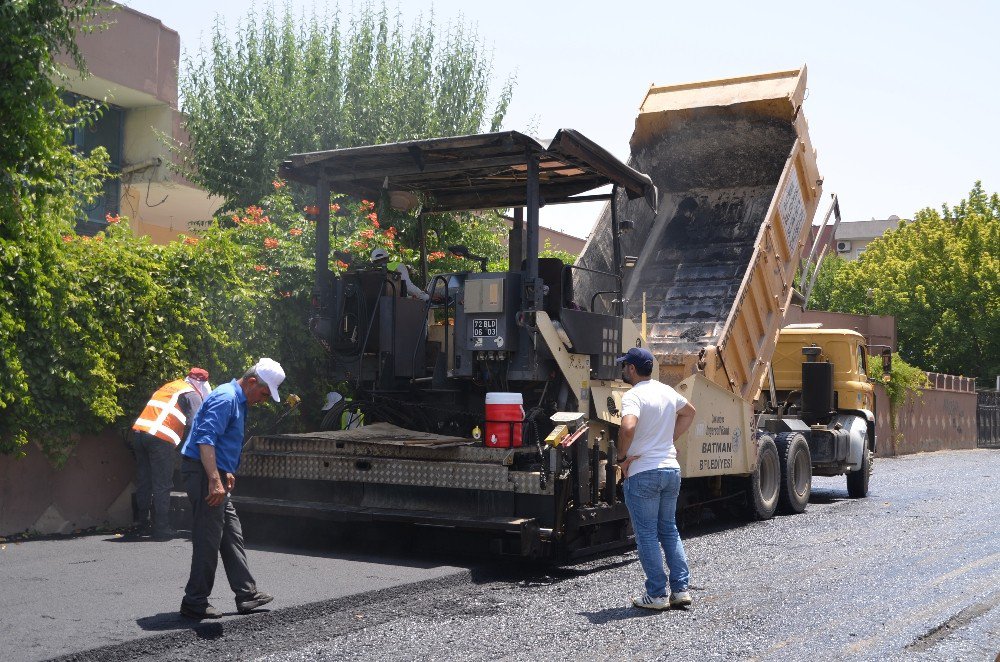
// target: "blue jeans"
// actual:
[[651, 497]]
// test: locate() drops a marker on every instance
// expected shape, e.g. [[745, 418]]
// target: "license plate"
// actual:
[[484, 328]]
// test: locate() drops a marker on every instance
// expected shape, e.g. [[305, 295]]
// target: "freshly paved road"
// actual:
[[68, 595], [912, 572]]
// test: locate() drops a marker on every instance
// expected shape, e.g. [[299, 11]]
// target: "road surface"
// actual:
[[910, 573]]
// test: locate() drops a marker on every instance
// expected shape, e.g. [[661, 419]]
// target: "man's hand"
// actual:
[[685, 416], [627, 461], [230, 482], [216, 492]]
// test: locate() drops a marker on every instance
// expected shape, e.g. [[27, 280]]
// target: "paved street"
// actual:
[[63, 596], [913, 572]]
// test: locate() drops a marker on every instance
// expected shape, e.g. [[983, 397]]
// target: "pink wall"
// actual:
[[938, 419], [93, 488], [136, 51]]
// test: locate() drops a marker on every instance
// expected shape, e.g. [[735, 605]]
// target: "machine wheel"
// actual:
[[796, 472], [763, 485], [857, 481]]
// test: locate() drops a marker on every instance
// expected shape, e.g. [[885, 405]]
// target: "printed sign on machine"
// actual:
[[484, 328]]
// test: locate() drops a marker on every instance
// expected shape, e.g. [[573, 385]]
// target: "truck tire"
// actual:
[[857, 481], [763, 485], [796, 472]]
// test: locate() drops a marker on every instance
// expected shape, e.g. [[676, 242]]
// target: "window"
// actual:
[[106, 132]]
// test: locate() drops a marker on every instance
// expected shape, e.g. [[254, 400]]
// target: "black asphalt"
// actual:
[[912, 572], [67, 595]]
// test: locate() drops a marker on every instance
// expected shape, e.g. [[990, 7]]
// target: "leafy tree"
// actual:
[[274, 87], [904, 382], [44, 350], [32, 134], [820, 297], [88, 326], [548, 250], [939, 275]]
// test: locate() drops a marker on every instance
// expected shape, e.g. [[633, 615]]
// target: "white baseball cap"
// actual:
[[272, 374], [332, 398]]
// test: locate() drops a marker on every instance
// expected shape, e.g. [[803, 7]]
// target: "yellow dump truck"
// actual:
[[713, 279]]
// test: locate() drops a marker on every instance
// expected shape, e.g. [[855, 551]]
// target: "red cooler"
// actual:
[[504, 416]]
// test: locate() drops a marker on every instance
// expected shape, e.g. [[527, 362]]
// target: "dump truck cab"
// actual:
[[820, 391], [846, 350]]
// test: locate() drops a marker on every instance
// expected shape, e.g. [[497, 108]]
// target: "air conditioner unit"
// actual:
[[843, 247]]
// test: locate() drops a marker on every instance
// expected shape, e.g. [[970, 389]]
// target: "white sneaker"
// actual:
[[680, 599], [647, 602]]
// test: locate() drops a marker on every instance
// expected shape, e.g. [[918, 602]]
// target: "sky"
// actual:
[[903, 98]]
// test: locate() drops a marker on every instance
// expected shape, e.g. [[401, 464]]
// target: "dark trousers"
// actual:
[[155, 461], [216, 531]]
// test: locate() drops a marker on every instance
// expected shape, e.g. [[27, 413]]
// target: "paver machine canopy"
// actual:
[[489, 326]]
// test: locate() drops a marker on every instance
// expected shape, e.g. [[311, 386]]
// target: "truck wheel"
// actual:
[[796, 472], [857, 481], [763, 485]]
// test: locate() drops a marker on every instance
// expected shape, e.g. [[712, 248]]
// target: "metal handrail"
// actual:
[[616, 277]]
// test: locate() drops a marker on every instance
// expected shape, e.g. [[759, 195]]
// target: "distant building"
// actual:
[[133, 68], [853, 237], [556, 240]]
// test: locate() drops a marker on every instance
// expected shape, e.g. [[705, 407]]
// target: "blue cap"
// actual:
[[640, 357]]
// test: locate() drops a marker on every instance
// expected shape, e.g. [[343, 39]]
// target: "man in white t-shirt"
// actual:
[[653, 417]]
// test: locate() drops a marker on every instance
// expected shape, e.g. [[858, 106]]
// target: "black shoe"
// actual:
[[208, 611], [258, 599]]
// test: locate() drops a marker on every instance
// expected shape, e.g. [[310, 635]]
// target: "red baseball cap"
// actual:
[[198, 373]]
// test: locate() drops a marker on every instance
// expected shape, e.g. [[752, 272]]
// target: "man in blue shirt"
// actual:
[[211, 456]]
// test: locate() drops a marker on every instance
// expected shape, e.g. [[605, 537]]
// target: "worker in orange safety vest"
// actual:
[[158, 433]]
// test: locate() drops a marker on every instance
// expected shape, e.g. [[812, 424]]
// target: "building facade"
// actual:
[[133, 70], [851, 238]]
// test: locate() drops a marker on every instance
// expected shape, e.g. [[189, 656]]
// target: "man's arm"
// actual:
[[685, 417], [216, 491], [626, 433], [210, 426]]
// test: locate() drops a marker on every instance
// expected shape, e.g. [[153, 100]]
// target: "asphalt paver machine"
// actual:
[[403, 448]]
